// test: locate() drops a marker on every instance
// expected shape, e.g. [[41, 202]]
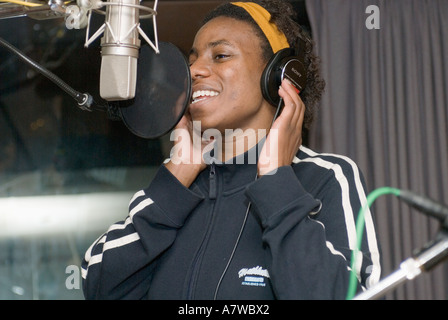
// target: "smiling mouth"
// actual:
[[201, 95]]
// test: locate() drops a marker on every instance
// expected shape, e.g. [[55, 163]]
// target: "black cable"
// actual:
[[278, 111], [84, 100], [233, 252]]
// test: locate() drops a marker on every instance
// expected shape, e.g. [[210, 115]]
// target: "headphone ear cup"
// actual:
[[271, 77], [283, 64]]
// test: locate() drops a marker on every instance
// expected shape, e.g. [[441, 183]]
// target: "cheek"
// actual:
[[245, 86]]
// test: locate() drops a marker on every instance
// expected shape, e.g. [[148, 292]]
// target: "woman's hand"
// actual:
[[186, 156], [285, 136]]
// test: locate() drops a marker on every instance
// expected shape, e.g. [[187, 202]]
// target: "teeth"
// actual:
[[203, 93]]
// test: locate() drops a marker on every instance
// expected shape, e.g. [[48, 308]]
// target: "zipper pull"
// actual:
[[212, 181]]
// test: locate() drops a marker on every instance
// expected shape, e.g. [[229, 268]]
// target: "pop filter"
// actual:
[[162, 95]]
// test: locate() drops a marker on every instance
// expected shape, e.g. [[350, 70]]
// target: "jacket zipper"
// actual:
[[200, 253], [212, 182]]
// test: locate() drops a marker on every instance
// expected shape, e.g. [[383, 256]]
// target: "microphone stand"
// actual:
[[423, 261]]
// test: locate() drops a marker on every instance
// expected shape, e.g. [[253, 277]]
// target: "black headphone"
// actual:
[[287, 63]]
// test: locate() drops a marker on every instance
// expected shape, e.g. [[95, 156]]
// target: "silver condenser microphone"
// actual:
[[119, 51], [152, 105], [120, 43]]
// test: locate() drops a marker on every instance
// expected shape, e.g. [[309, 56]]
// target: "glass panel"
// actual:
[[65, 174]]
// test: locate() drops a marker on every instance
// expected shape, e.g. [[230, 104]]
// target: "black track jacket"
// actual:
[[296, 243]]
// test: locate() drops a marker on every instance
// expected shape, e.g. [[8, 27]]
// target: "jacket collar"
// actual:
[[236, 173]]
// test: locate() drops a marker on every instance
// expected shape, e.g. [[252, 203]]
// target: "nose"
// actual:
[[199, 69]]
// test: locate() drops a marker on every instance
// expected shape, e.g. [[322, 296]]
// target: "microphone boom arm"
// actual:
[[84, 100], [424, 260], [431, 255]]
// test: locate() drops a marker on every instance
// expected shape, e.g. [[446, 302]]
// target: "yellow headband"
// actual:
[[262, 17]]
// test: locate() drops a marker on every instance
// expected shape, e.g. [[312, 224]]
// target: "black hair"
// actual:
[[284, 17]]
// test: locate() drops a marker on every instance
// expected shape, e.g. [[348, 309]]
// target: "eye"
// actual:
[[192, 57], [221, 56], [191, 60]]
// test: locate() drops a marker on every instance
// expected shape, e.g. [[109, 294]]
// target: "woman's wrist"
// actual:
[[185, 173]]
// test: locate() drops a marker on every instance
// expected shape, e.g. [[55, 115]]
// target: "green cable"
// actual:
[[359, 231]]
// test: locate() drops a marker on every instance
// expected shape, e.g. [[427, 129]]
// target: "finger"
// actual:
[[288, 108], [291, 109], [294, 115], [295, 98], [187, 114], [292, 92], [182, 124]]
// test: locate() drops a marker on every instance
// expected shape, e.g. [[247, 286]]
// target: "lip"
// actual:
[[208, 94]]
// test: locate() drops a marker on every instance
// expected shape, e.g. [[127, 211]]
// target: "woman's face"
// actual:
[[226, 67]]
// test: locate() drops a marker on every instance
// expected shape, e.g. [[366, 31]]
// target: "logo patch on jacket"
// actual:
[[253, 276]]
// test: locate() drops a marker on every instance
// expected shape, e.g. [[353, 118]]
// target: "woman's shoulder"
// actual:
[[327, 161], [318, 166]]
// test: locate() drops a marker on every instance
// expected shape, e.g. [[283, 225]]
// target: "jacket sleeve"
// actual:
[[119, 264], [308, 240]]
